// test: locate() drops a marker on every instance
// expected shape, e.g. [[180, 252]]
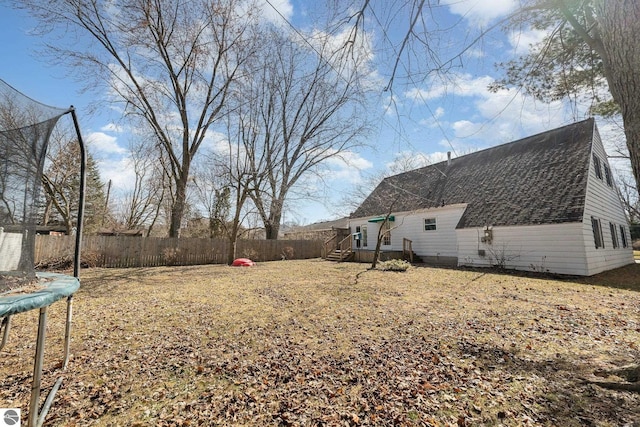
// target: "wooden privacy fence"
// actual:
[[126, 251]]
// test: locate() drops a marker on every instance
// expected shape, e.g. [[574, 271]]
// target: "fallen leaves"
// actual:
[[297, 344]]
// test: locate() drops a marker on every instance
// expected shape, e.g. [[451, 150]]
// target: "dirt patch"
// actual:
[[321, 343]]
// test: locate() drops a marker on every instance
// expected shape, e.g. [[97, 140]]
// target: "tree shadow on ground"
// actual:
[[567, 398], [627, 277]]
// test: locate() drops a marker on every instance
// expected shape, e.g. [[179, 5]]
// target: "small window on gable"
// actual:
[[614, 235], [596, 166], [597, 233], [607, 175], [429, 224], [623, 236]]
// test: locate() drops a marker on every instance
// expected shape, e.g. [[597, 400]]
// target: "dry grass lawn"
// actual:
[[320, 343]]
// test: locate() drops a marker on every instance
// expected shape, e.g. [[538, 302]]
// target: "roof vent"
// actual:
[[448, 158]]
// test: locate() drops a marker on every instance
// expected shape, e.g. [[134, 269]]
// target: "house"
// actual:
[[322, 230], [544, 203]]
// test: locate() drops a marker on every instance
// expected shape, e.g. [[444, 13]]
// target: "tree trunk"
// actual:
[[619, 24], [178, 207], [272, 225], [376, 253], [233, 244]]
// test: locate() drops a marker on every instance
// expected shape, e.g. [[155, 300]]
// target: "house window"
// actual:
[[596, 165], [386, 237], [429, 224], [597, 233], [607, 175], [364, 236], [623, 236], [614, 235]]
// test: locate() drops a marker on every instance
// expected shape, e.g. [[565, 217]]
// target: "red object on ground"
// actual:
[[243, 262]]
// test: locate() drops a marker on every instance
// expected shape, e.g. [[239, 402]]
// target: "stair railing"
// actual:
[[329, 246], [345, 247]]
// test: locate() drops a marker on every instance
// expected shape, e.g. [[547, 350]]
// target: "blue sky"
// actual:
[[417, 122]]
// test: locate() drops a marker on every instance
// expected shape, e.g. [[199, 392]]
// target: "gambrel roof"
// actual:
[[541, 179]]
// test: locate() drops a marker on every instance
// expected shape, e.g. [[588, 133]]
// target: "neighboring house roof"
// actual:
[[541, 179], [323, 225]]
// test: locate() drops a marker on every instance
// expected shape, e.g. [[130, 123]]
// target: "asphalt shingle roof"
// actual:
[[540, 179]]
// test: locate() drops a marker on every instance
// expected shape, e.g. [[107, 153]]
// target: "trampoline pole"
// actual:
[[81, 201], [6, 322], [67, 332], [37, 369]]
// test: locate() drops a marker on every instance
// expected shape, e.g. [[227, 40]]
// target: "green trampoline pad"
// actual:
[[50, 288]]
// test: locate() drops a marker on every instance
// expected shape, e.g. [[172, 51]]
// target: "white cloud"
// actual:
[[346, 168], [522, 41], [119, 171], [112, 127], [435, 120], [477, 118], [457, 84], [409, 160], [481, 12], [272, 12], [424, 95], [100, 142], [465, 128]]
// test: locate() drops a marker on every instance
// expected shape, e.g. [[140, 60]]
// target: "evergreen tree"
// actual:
[[61, 183]]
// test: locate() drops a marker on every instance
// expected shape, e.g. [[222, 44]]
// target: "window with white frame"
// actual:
[[614, 235], [597, 233], [429, 224]]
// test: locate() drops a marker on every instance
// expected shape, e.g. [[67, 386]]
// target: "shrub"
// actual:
[[394, 265]]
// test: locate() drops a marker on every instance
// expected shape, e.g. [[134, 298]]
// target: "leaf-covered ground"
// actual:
[[319, 343]]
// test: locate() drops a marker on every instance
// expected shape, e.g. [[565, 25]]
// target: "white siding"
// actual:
[[555, 248], [441, 242], [602, 202], [410, 225]]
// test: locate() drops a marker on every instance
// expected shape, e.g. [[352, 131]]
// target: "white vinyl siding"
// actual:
[[557, 248], [410, 225], [602, 202], [441, 242]]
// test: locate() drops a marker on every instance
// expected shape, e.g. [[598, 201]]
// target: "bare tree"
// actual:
[[239, 169], [140, 206], [168, 63], [302, 106], [212, 192]]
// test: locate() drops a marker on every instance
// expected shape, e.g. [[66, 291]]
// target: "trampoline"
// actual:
[[25, 128]]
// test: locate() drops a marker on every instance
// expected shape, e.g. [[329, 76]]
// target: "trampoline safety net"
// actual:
[[25, 128]]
